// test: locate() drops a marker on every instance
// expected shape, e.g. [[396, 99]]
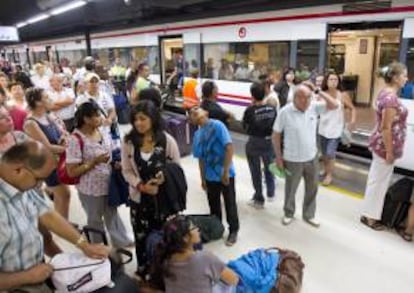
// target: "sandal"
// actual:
[[404, 235], [375, 225]]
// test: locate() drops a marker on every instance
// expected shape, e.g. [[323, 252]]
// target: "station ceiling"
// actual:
[[103, 15]]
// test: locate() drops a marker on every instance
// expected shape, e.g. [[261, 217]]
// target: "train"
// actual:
[[354, 40]]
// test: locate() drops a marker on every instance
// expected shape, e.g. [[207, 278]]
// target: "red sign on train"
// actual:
[[242, 32]]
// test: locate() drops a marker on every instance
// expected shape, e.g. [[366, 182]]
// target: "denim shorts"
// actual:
[[329, 146]]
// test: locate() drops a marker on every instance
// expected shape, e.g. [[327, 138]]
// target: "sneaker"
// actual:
[[313, 222], [232, 239], [287, 220], [256, 204], [271, 199]]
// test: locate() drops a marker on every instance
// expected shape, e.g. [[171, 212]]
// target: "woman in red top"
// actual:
[[386, 143]]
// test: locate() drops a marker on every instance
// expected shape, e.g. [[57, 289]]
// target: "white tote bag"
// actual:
[[74, 272]]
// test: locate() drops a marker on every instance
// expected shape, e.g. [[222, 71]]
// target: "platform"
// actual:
[[341, 256]]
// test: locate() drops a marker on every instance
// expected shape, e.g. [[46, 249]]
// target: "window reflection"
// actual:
[[307, 60], [192, 57], [408, 90], [74, 56], [244, 61], [149, 55]]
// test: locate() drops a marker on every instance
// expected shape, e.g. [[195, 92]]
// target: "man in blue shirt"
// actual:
[[213, 147]]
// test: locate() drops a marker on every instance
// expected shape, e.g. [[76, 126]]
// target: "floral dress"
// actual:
[[399, 125]]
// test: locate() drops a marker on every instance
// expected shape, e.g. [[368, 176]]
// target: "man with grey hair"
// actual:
[[298, 123], [62, 101], [22, 169]]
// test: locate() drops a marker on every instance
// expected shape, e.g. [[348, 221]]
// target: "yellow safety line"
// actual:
[[344, 191], [330, 187]]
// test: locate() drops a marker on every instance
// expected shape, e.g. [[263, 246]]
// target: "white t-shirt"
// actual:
[[67, 112], [332, 122], [291, 94], [41, 82], [299, 130], [104, 101]]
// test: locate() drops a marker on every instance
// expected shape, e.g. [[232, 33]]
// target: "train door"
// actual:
[[357, 51], [172, 61]]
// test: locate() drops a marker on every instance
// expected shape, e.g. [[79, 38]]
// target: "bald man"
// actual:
[[298, 123], [22, 169]]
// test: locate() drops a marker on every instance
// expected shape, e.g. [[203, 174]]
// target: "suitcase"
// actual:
[[397, 203], [183, 132], [122, 282]]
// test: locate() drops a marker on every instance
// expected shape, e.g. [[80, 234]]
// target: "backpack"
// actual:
[[61, 170], [290, 272], [211, 228], [397, 203]]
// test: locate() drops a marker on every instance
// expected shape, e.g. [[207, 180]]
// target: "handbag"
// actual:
[[346, 136], [75, 272], [61, 170]]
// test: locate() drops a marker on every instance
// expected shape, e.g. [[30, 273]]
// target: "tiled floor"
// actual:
[[342, 256]]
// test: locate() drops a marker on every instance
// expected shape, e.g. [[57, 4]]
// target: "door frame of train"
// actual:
[[161, 56], [361, 26]]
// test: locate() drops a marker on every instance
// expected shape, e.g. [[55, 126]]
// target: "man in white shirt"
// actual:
[[40, 79], [298, 123], [62, 101]]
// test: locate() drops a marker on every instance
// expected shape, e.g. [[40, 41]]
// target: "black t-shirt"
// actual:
[[215, 111], [258, 120]]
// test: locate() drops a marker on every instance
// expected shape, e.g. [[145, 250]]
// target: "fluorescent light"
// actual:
[[70, 6], [21, 24], [38, 18]]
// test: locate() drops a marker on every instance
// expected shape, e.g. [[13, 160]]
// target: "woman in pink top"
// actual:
[[88, 157], [386, 143]]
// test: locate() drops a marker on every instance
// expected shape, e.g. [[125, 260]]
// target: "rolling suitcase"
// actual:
[[119, 257], [397, 203], [179, 128]]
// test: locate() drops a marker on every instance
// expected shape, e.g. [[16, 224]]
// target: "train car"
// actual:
[[355, 40]]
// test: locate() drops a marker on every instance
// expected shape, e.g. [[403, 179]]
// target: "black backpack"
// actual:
[[397, 203]]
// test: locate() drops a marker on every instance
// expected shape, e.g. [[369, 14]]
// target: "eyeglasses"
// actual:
[[38, 179]]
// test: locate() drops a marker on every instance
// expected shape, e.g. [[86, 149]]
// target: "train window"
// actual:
[[106, 56], [307, 59], [148, 55], [244, 61], [388, 53], [337, 58], [39, 56], [408, 90], [75, 57], [192, 57]]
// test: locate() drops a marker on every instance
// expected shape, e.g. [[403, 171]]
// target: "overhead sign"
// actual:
[[8, 34]]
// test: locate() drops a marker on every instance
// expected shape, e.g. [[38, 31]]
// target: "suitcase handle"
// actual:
[[126, 253], [89, 230]]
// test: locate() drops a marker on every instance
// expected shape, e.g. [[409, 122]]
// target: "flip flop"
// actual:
[[404, 235], [376, 225]]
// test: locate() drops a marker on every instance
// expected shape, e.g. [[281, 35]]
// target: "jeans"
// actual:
[[260, 150], [214, 191]]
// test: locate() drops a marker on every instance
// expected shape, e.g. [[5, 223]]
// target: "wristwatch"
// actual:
[[80, 241], [316, 91]]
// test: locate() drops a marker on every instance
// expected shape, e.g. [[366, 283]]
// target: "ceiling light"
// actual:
[[70, 6], [38, 18], [21, 24]]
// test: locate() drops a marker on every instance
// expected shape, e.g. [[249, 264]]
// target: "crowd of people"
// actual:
[[54, 113]]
